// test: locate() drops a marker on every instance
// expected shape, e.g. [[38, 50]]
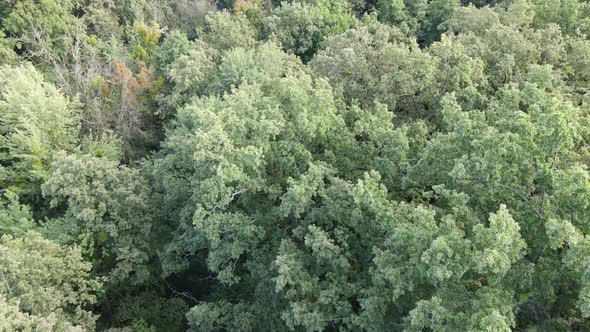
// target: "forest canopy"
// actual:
[[294, 165]]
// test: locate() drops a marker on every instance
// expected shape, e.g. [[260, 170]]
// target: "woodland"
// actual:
[[294, 165]]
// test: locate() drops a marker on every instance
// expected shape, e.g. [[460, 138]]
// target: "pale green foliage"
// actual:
[[202, 70], [109, 203], [13, 319], [506, 42], [300, 192], [15, 218], [573, 16], [7, 55], [131, 12], [107, 145], [578, 60], [499, 246], [224, 31], [486, 310], [323, 247], [317, 278], [232, 144], [138, 325], [265, 62], [175, 44], [376, 63], [459, 73], [535, 125], [209, 317], [101, 19], [188, 14], [519, 152], [44, 286], [386, 144], [268, 176], [241, 152], [36, 121], [190, 75]]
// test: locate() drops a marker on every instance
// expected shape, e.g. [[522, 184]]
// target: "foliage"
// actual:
[[154, 310], [224, 31], [16, 218], [55, 19], [7, 55], [437, 13], [304, 165], [188, 14], [376, 64], [301, 26], [147, 41], [110, 205], [44, 285], [572, 16], [405, 14], [36, 121]]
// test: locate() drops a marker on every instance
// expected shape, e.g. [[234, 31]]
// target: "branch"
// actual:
[[233, 195], [183, 294]]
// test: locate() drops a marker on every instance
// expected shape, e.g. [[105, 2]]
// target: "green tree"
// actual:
[[239, 151], [407, 15], [573, 16], [224, 31], [7, 55], [44, 286], [36, 121], [42, 25], [377, 63], [15, 218], [300, 27], [110, 206], [437, 13]]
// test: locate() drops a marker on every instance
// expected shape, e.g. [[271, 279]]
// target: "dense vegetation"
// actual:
[[305, 165]]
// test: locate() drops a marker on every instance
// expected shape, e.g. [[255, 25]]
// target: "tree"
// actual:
[[437, 13], [188, 14], [47, 33], [189, 74], [100, 16], [239, 150], [7, 55], [15, 218], [44, 286], [573, 16], [538, 132], [153, 309], [377, 63], [36, 122], [44, 26], [404, 14], [305, 165], [224, 31], [110, 206], [300, 27]]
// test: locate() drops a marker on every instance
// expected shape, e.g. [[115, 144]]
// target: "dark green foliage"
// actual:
[[301, 26], [162, 313]]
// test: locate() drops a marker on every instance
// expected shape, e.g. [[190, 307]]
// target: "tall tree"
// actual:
[[36, 121]]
